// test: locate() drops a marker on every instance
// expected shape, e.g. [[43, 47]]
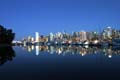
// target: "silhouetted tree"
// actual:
[[6, 36]]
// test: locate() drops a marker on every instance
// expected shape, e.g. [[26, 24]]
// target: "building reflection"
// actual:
[[6, 54], [37, 50], [63, 50]]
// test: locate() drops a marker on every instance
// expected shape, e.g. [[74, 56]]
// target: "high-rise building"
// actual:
[[107, 33], [32, 39], [29, 38], [51, 37], [83, 36], [36, 36]]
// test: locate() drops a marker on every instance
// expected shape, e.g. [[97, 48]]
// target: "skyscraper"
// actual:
[[83, 36], [37, 36], [107, 33], [51, 37]]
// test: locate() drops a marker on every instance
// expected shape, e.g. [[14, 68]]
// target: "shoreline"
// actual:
[[50, 44]]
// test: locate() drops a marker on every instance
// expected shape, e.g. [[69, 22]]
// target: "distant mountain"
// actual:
[[6, 35]]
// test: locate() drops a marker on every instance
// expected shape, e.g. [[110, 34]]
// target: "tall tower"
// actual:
[[83, 36], [51, 37], [36, 36], [109, 32]]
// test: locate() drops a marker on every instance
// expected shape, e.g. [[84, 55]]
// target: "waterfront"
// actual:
[[52, 65], [59, 40]]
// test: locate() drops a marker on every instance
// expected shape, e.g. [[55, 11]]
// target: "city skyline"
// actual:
[[110, 31], [108, 37], [59, 39], [28, 16]]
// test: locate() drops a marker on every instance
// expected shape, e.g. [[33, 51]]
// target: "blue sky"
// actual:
[[26, 17]]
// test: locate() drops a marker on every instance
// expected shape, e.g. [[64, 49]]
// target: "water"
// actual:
[[58, 63]]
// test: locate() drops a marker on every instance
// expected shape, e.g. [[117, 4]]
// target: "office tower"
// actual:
[[107, 33], [75, 34], [83, 36], [51, 37], [29, 38], [37, 36], [90, 35], [32, 39]]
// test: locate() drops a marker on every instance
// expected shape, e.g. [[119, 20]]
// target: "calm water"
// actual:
[[53, 63]]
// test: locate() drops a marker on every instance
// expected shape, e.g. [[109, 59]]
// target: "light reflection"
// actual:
[[32, 47], [37, 50], [109, 56], [63, 50]]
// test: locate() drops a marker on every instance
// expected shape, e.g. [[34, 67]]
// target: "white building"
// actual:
[[36, 36], [83, 36], [107, 34], [51, 37]]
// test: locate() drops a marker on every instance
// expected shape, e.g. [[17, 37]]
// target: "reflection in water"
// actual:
[[37, 50], [6, 53], [62, 50]]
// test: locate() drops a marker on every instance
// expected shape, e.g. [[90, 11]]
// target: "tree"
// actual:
[[6, 35]]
